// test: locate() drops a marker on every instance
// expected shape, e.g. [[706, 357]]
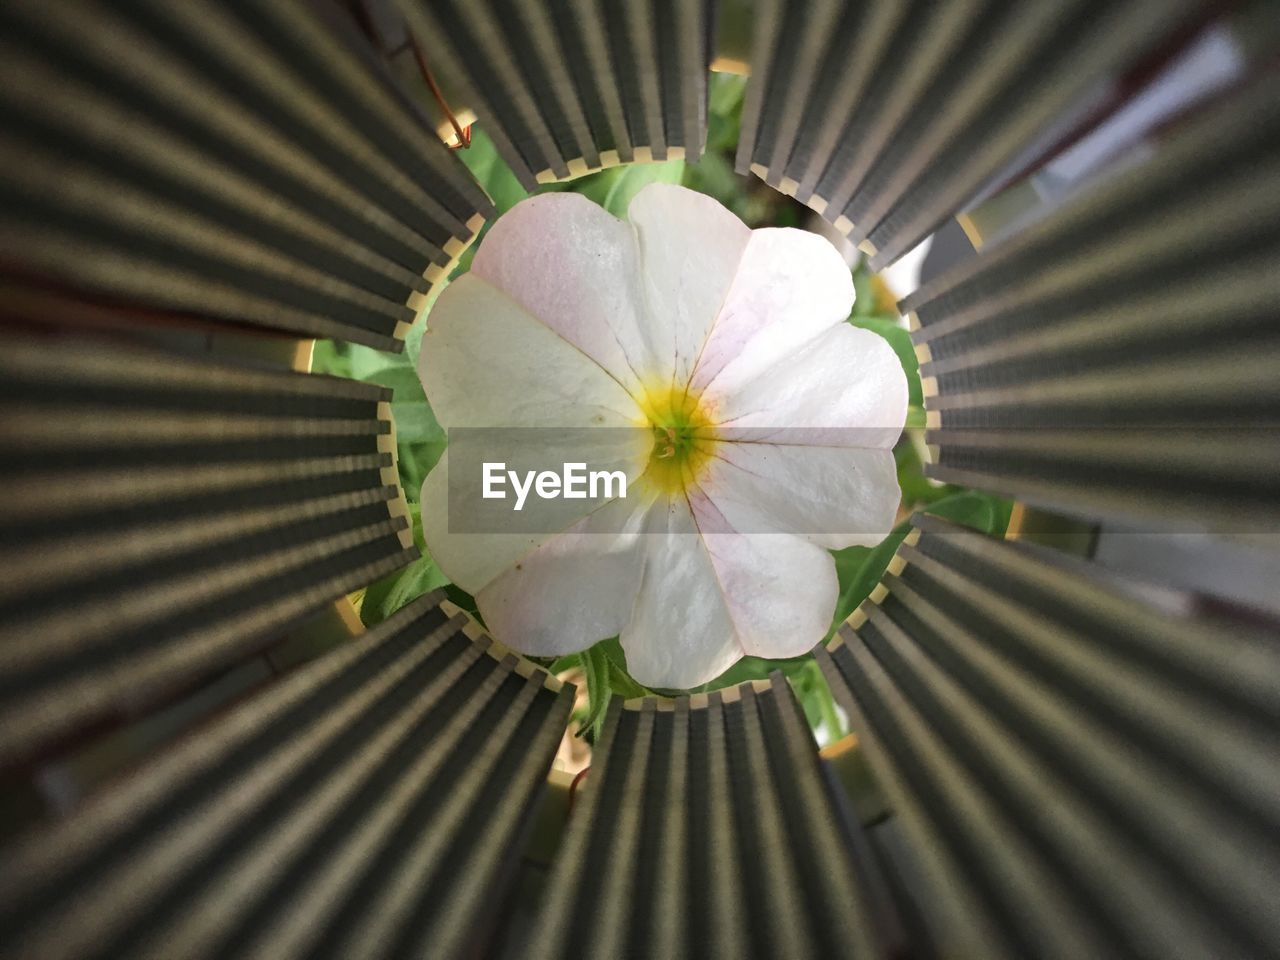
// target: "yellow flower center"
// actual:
[[683, 437]]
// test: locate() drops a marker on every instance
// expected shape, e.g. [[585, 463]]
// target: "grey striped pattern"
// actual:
[[888, 117], [367, 805], [1118, 358], [166, 517], [243, 161], [706, 829], [1079, 774], [563, 88], [1068, 770]]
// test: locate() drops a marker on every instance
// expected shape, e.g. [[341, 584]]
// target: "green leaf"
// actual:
[[916, 488], [561, 664], [619, 677], [623, 685], [725, 92], [754, 668], [464, 600], [386, 596], [864, 304], [415, 421], [366, 362], [973, 508], [415, 515], [612, 648], [491, 171], [416, 461], [859, 569], [635, 178], [598, 668], [814, 694], [724, 112], [714, 175], [349, 360], [329, 357], [413, 339]]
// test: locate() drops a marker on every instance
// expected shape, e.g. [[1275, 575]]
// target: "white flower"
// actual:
[[754, 424]]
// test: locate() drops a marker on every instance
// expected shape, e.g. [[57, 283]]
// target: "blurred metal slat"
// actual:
[[570, 88], [244, 162], [934, 103], [1117, 358], [1124, 754], [168, 517], [289, 819], [696, 801]]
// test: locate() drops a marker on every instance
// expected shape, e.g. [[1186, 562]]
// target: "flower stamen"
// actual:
[[682, 437]]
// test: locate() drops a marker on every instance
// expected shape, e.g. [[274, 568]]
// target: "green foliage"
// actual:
[[917, 490], [597, 667], [413, 339], [725, 94], [491, 171], [864, 302], [387, 595], [634, 178], [859, 569], [815, 698], [972, 508], [349, 360], [465, 601], [754, 202]]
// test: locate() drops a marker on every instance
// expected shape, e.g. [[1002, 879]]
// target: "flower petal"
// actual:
[[780, 591], [475, 539], [680, 634], [833, 497], [845, 387], [790, 286], [468, 559], [486, 362], [574, 589], [691, 248], [576, 268]]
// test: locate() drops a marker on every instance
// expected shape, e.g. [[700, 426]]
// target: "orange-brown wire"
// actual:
[[463, 133]]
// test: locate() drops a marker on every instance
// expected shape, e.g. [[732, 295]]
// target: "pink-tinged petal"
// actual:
[[470, 560], [691, 249], [780, 591], [574, 589], [576, 268], [475, 539], [833, 497], [843, 388], [680, 634], [790, 286], [486, 362]]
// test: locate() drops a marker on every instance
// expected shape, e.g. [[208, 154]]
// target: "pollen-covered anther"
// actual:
[[683, 438]]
